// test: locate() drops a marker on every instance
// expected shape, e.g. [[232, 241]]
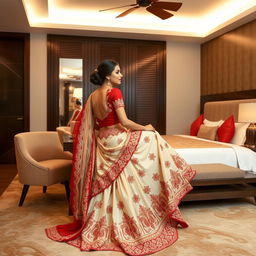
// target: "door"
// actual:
[[14, 102]]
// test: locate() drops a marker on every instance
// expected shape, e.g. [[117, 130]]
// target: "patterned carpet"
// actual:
[[216, 228]]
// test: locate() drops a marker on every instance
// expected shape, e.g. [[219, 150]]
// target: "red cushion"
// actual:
[[196, 125], [226, 130]]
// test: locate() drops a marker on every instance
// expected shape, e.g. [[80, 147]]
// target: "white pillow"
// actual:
[[211, 123], [240, 133]]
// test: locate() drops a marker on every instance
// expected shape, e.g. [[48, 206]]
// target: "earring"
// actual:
[[108, 81]]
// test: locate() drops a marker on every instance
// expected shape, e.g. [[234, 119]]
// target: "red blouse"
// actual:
[[114, 101]]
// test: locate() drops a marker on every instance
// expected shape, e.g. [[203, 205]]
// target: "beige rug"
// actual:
[[216, 228]]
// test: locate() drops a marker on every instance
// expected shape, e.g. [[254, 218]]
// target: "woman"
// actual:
[[126, 181], [76, 112]]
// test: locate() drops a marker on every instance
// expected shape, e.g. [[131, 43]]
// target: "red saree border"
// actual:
[[116, 169], [104, 133], [68, 232], [83, 132], [81, 177], [158, 243]]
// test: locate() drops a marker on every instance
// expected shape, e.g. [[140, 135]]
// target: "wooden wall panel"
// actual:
[[142, 63], [228, 63], [145, 81], [129, 81], [90, 51], [147, 87], [52, 84], [70, 48]]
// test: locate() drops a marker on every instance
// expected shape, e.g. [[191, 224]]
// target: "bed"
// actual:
[[224, 170]]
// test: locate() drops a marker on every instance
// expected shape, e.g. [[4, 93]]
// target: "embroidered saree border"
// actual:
[[158, 243], [116, 169], [81, 177], [83, 162]]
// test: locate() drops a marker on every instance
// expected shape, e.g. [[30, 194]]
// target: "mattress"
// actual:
[[200, 151]]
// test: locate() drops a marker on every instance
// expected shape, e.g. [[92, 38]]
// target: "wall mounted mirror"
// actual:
[[70, 88]]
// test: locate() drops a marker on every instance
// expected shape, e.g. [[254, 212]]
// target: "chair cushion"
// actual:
[[216, 171]]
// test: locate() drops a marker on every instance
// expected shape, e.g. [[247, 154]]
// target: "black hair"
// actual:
[[105, 69], [78, 102]]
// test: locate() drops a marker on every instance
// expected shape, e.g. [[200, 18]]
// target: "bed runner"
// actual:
[[177, 141]]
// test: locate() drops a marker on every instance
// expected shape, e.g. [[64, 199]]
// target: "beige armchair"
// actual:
[[41, 161]]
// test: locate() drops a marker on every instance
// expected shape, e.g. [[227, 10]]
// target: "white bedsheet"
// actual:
[[236, 156]]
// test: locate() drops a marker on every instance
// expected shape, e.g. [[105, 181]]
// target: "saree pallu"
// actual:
[[137, 184]]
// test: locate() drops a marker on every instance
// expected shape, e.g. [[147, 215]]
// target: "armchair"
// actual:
[[41, 161]]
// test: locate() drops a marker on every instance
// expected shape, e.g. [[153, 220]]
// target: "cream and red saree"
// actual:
[[125, 190]]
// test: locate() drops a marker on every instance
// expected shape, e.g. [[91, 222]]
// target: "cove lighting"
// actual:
[[53, 14]]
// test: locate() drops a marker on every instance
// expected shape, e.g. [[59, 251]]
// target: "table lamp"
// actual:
[[247, 114]]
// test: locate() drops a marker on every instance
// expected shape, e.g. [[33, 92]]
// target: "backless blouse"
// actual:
[[114, 101]]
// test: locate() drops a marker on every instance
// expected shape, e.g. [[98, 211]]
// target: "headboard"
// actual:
[[216, 110]]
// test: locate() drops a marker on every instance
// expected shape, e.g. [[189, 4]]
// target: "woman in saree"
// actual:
[[126, 182]]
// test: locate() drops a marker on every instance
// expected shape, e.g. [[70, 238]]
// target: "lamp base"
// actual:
[[250, 141]]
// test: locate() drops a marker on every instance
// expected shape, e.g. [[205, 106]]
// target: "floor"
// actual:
[[221, 227]]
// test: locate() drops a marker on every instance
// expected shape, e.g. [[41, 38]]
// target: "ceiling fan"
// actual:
[[155, 7]]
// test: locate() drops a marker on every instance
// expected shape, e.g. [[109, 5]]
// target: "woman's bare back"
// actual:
[[99, 103]]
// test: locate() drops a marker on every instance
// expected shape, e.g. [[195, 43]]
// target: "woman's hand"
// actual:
[[128, 124], [149, 127]]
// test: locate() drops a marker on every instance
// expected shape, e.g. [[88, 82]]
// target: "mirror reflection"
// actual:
[[70, 89]]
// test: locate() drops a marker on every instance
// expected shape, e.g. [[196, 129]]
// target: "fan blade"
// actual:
[[127, 12], [117, 7], [172, 6], [162, 14]]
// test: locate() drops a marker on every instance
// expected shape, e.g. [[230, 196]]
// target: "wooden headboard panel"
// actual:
[[216, 110]]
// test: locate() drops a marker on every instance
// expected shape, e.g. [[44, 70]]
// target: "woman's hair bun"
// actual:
[[95, 78], [105, 69]]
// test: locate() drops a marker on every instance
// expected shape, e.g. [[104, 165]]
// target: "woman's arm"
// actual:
[[74, 116], [129, 124]]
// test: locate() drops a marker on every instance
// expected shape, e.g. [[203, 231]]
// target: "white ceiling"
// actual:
[[196, 19]]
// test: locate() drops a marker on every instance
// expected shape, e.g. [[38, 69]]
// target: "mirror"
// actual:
[[70, 89]]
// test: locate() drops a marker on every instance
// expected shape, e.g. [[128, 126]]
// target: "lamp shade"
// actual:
[[247, 113]]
